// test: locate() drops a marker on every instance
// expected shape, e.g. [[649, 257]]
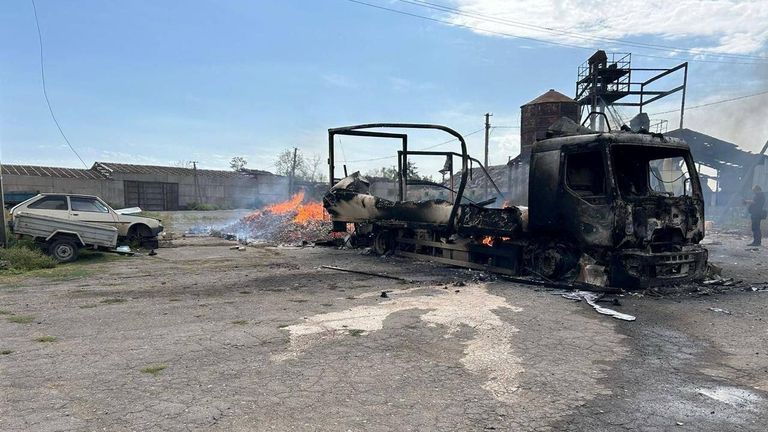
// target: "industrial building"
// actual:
[[148, 186]]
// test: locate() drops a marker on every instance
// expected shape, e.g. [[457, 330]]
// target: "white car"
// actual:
[[88, 208]]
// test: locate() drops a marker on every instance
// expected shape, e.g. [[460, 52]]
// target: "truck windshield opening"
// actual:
[[643, 171]]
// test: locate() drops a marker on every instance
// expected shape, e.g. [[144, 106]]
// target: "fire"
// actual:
[[488, 240], [288, 205], [303, 212], [308, 212]]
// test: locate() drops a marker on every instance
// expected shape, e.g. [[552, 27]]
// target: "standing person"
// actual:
[[757, 214]]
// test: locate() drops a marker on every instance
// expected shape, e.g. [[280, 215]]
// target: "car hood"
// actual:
[[150, 222]]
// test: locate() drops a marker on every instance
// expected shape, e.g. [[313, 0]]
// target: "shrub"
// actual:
[[23, 257], [202, 206]]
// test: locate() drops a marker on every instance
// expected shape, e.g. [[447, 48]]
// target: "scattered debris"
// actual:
[[295, 221], [381, 275], [719, 310], [591, 298]]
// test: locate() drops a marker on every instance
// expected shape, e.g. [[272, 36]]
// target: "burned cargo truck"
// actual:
[[621, 209]]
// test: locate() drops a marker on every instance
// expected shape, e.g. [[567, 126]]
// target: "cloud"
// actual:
[[723, 26], [338, 80]]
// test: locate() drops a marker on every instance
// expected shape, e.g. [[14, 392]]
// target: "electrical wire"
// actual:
[[712, 103], [511, 23], [544, 41], [45, 90]]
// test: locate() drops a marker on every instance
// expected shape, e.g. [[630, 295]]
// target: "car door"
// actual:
[[48, 205], [90, 209]]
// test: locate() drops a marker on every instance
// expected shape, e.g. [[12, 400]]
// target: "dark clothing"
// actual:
[[756, 214], [757, 233]]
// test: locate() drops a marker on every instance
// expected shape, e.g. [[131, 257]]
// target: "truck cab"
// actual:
[[631, 200]]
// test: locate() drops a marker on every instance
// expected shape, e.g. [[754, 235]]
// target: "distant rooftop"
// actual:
[[103, 170], [43, 171], [551, 96]]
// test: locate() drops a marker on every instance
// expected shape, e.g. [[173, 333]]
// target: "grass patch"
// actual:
[[240, 322], [23, 258], [21, 319], [5, 312], [88, 306], [113, 300], [6, 352], [45, 339], [154, 370], [355, 332]]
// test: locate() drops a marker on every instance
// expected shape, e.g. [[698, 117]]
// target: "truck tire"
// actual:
[[63, 250]]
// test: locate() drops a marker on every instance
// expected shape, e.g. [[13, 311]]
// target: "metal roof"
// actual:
[[551, 96], [714, 152], [43, 171], [110, 167], [103, 170]]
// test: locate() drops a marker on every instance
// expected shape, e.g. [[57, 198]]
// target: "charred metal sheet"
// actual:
[[349, 201], [476, 220]]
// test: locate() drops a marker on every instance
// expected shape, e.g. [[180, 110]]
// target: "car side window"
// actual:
[[87, 205], [54, 202]]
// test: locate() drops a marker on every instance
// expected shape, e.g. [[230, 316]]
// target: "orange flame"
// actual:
[[303, 212], [488, 240], [287, 205], [309, 212]]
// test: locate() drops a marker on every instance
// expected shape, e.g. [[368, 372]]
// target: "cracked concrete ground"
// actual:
[[264, 339]]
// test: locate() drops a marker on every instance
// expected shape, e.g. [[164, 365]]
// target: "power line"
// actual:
[[713, 103], [45, 90], [505, 21], [544, 41]]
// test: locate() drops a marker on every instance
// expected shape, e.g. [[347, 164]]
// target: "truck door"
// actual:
[[88, 209], [587, 197]]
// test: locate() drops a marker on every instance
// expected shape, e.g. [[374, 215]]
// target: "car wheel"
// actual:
[[64, 250], [142, 236]]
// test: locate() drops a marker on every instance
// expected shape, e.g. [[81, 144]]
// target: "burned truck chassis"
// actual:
[[490, 239]]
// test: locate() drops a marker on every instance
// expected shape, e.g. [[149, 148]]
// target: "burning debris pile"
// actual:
[[290, 222]]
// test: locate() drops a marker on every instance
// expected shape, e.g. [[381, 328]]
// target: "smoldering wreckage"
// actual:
[[601, 217]]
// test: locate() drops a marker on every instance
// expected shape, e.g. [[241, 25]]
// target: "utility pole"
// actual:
[[197, 185], [293, 173], [487, 135], [3, 238]]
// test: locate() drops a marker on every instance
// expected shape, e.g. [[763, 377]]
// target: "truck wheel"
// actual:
[[383, 242], [63, 250]]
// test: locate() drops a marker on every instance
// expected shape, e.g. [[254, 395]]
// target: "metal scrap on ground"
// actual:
[[591, 298]]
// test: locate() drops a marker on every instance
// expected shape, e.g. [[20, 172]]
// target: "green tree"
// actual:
[[238, 163]]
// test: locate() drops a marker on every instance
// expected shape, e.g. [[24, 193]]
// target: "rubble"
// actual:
[[291, 222]]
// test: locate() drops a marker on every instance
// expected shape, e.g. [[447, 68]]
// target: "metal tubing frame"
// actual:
[[361, 130]]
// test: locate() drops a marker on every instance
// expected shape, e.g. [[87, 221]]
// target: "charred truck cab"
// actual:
[[619, 208], [630, 201]]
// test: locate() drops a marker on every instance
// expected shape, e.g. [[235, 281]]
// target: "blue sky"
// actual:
[[164, 81]]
